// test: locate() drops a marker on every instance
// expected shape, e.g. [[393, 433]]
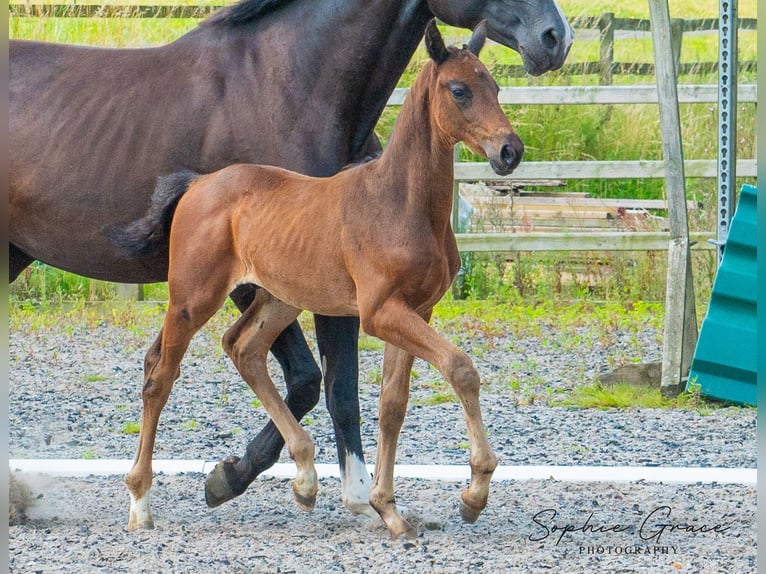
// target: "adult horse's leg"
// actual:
[[337, 338], [247, 342], [394, 393], [396, 321], [231, 477], [17, 262]]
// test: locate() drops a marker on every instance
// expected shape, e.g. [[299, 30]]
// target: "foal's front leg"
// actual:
[[247, 342], [397, 323], [397, 367]]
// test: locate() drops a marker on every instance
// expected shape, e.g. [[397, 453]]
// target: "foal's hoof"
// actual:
[[144, 525], [305, 502], [223, 484], [468, 513], [405, 532]]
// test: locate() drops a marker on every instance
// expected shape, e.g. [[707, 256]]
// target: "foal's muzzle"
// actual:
[[507, 156]]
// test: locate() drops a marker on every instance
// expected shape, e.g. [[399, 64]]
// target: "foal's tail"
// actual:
[[149, 235]]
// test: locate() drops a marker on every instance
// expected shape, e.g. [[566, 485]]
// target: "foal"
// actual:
[[374, 241]]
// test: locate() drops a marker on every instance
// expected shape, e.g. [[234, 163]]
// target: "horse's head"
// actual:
[[463, 101], [536, 29]]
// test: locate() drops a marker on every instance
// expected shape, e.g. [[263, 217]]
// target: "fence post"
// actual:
[[130, 291], [680, 334], [606, 51], [676, 39], [456, 287]]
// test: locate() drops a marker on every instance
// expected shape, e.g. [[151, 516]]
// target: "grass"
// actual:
[[131, 427], [625, 396], [436, 399], [524, 297], [550, 133]]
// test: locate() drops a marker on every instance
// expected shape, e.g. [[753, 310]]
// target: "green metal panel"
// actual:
[[724, 363]]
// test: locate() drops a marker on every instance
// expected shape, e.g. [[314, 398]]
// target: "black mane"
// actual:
[[244, 12]]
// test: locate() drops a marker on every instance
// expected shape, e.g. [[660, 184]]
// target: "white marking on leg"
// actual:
[[355, 485], [140, 512]]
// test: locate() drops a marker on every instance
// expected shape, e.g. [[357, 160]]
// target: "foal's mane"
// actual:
[[244, 12]]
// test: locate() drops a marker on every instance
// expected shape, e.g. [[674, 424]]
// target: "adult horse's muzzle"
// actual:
[[504, 158]]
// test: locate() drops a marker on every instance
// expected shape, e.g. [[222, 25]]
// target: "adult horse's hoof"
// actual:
[[468, 513], [223, 484]]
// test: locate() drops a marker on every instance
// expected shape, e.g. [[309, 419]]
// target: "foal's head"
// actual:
[[464, 105]]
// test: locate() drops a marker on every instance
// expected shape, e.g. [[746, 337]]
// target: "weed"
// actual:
[[437, 399], [89, 455], [189, 425], [375, 376], [256, 402], [95, 378], [131, 427], [367, 343], [624, 396]]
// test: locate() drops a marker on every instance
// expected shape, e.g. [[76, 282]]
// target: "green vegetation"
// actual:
[[625, 396], [549, 132], [437, 399], [585, 298], [131, 427], [189, 425]]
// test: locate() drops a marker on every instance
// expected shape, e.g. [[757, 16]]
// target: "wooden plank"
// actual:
[[130, 291], [652, 169], [577, 241], [643, 94], [110, 11], [573, 203]]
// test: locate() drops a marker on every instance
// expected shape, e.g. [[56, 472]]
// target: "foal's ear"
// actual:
[[434, 43], [476, 43]]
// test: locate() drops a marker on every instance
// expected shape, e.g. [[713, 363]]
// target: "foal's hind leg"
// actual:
[[161, 369], [247, 342], [399, 324], [232, 476]]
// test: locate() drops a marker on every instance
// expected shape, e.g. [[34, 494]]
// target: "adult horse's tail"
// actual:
[[149, 235]]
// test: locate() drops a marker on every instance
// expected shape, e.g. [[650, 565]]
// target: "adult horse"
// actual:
[[294, 83]]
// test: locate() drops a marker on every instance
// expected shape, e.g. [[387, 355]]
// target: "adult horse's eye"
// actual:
[[458, 93]]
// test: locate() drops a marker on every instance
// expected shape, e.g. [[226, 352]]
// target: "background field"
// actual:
[[555, 132]]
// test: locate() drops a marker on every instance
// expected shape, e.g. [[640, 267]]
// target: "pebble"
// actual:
[[74, 399]]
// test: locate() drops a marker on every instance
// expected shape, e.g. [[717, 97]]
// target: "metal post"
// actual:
[[727, 119], [680, 318]]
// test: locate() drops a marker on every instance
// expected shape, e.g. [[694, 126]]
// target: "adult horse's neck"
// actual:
[[351, 70], [418, 159]]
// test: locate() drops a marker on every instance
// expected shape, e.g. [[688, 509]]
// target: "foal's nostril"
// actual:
[[550, 39], [507, 155]]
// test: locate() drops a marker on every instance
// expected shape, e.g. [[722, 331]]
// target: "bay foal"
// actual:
[[374, 240]]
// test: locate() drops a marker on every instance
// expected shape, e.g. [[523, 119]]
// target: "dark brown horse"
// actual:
[[294, 83], [374, 241]]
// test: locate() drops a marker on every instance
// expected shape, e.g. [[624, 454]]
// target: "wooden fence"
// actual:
[[605, 27]]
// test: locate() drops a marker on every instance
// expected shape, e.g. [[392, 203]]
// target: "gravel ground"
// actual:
[[74, 387]]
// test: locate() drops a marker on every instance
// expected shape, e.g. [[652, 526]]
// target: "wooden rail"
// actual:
[[606, 26], [583, 95]]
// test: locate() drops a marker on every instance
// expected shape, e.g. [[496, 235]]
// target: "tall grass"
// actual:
[[550, 132]]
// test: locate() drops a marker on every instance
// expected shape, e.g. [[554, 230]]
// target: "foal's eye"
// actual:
[[460, 92]]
